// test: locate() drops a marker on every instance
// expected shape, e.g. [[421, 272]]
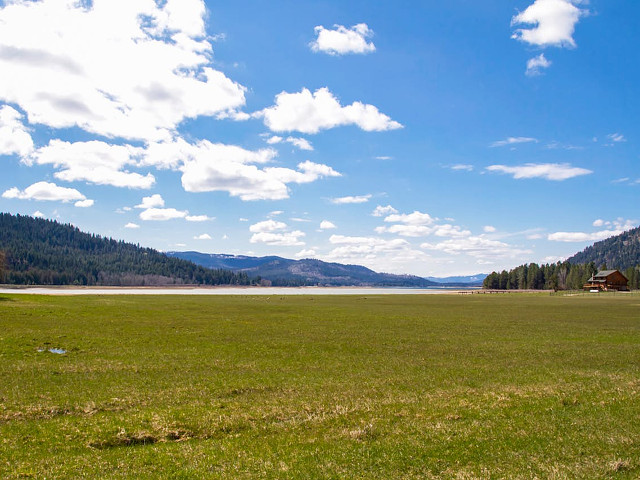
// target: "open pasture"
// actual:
[[376, 387]]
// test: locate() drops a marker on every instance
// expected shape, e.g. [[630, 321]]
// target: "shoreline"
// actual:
[[229, 290]]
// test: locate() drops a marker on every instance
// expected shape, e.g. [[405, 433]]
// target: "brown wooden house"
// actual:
[[607, 280]]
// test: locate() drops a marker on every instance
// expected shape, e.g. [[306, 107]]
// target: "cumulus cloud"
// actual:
[[85, 203], [476, 246], [301, 143], [267, 226], [306, 253], [489, 229], [272, 232], [327, 225], [415, 218], [342, 40], [152, 201], [45, 191], [535, 65], [204, 236], [548, 171], [513, 141], [162, 214], [309, 113], [38, 214], [132, 226], [381, 211], [14, 136], [351, 199], [94, 162], [208, 167], [82, 48], [198, 218], [552, 23], [283, 239], [615, 227]]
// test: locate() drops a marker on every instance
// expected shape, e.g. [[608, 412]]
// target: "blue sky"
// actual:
[[432, 138]]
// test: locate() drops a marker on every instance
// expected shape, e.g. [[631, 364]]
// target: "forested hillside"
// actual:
[[43, 252], [619, 252]]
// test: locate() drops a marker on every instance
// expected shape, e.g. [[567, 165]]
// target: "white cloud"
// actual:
[[284, 239], [274, 140], [351, 199], [466, 168], [406, 230], [553, 23], [548, 171], [309, 113], [450, 231], [14, 137], [83, 48], [489, 229], [38, 214], [616, 137], [204, 236], [275, 213], [46, 192], [615, 227], [198, 218], [132, 225], [384, 255], [162, 214], [153, 201], [415, 218], [513, 141], [267, 226], [94, 162], [84, 203], [310, 253], [381, 211], [536, 64], [476, 246], [301, 143], [327, 225], [208, 167], [384, 157], [343, 40]]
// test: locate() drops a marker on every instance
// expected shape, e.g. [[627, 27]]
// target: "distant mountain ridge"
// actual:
[[619, 252], [284, 271]]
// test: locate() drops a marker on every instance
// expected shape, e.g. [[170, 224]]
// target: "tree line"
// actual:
[[44, 252], [552, 276]]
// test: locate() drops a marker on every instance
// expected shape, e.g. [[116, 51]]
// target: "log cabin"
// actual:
[[607, 280]]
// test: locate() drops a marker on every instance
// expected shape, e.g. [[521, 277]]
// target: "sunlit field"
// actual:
[[387, 387]]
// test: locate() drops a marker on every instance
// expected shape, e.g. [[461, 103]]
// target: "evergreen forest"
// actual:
[[35, 251]]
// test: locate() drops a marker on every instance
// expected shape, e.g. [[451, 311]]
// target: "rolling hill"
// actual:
[[283, 271]]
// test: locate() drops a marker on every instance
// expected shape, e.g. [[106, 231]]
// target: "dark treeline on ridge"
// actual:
[[34, 251], [621, 252], [553, 276]]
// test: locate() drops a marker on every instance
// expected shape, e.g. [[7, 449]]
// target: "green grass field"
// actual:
[[383, 387]]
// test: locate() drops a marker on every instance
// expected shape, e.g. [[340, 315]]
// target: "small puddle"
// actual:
[[59, 351]]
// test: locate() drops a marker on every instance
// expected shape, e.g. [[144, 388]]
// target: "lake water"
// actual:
[[231, 291]]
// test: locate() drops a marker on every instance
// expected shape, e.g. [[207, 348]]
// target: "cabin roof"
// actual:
[[604, 273]]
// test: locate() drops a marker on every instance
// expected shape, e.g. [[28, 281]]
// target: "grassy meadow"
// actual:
[[356, 387]]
